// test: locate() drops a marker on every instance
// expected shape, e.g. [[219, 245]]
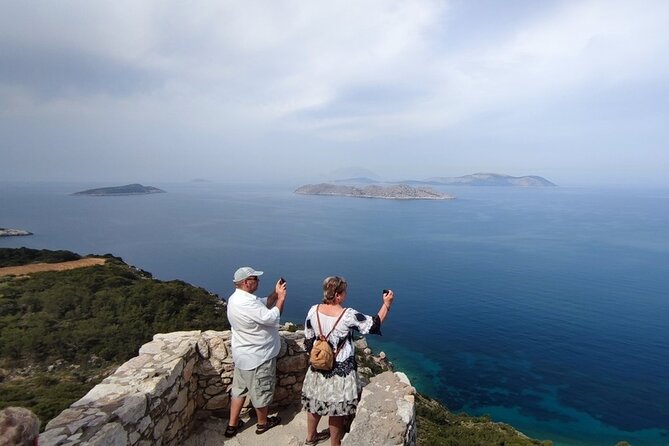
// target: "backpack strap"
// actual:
[[325, 338], [333, 327]]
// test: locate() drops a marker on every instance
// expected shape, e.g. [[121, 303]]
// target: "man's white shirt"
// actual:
[[255, 330]]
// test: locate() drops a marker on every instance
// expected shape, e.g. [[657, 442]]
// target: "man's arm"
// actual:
[[278, 296], [272, 298]]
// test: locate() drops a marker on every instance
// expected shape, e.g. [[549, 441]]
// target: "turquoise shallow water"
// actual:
[[545, 308]]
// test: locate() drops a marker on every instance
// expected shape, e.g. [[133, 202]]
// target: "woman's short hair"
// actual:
[[18, 427], [333, 285]]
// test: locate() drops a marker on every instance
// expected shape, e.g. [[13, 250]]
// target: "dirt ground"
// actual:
[[39, 267]]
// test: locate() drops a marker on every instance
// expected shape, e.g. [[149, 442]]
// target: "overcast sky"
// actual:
[[155, 91]]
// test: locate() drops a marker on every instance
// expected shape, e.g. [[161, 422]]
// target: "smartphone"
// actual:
[[282, 281], [385, 291]]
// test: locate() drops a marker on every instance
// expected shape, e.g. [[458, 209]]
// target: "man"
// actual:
[[255, 346]]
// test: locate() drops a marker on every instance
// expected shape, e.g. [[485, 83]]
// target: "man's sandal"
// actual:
[[271, 422], [320, 436], [231, 431]]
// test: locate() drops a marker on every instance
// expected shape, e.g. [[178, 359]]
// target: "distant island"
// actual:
[[476, 179], [6, 232], [128, 189], [489, 179], [396, 192]]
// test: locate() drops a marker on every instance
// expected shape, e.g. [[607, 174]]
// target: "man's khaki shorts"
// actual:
[[258, 384]]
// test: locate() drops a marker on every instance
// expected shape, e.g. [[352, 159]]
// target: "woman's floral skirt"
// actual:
[[330, 394]]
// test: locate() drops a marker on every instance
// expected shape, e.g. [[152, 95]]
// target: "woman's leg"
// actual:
[[336, 430], [312, 425]]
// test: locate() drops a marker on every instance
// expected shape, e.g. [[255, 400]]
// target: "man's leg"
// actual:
[[262, 393], [237, 398], [261, 414], [236, 405]]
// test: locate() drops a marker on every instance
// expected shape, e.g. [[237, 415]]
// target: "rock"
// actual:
[[111, 434], [297, 363], [133, 409], [218, 402]]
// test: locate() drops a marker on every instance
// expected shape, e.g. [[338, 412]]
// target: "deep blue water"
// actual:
[[545, 308]]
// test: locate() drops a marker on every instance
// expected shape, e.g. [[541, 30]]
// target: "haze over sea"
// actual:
[[545, 308]]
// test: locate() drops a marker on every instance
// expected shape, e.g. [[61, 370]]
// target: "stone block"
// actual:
[[152, 348], [53, 436], [181, 401], [103, 394], [218, 348], [133, 364], [190, 408], [214, 390], [134, 408], [288, 380], [293, 364], [144, 424], [111, 434], [218, 402], [65, 417], [133, 437], [284, 347], [156, 385], [203, 348], [161, 425], [188, 369], [280, 394]]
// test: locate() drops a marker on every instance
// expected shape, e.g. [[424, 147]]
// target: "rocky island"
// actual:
[[6, 232], [128, 189], [395, 192], [490, 179]]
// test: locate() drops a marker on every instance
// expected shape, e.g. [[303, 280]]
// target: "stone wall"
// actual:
[[386, 414], [154, 398]]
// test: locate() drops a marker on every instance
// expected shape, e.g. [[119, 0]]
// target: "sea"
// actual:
[[545, 308]]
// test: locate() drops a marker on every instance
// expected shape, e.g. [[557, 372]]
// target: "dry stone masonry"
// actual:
[[179, 378]]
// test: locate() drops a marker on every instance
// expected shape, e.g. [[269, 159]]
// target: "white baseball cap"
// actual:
[[244, 273]]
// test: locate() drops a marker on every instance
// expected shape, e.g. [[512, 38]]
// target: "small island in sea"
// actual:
[[395, 192], [7, 232], [128, 189], [489, 179]]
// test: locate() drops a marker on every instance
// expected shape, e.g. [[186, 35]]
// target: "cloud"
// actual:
[[311, 76]]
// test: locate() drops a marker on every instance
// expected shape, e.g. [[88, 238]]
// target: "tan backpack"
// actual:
[[322, 357]]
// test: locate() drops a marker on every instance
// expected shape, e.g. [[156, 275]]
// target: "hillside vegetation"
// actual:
[[26, 256], [437, 426], [62, 332]]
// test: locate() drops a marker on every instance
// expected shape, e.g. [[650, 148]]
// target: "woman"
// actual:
[[335, 393]]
